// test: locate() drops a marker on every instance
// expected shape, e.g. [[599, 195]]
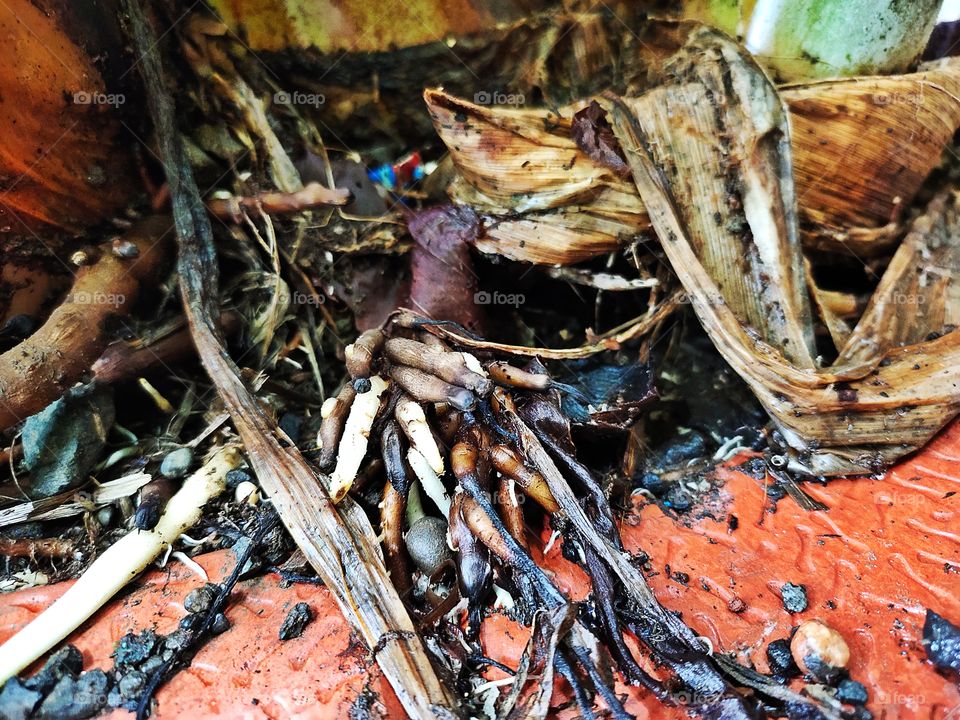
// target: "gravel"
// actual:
[[794, 597], [297, 619], [176, 464]]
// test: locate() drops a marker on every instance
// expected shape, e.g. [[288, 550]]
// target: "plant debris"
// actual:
[[497, 375], [297, 619]]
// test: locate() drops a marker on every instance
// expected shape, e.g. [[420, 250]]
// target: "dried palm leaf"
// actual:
[[832, 307], [919, 294], [861, 146], [877, 403], [542, 198]]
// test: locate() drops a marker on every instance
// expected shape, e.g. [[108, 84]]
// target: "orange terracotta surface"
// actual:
[[246, 672], [884, 552]]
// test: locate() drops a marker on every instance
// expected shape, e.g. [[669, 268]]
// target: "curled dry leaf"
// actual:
[[541, 197], [883, 398], [862, 147]]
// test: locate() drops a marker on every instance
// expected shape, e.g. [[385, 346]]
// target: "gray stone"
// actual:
[[200, 599], [65, 661], [63, 441], [297, 619], [76, 699], [16, 701], [176, 464], [131, 685], [794, 597], [427, 544]]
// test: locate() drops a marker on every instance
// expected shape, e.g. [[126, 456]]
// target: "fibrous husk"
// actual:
[[862, 147], [717, 119], [541, 198]]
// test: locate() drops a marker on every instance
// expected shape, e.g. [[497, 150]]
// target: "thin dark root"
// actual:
[[580, 694]]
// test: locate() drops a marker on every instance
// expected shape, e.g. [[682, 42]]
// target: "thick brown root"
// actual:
[[40, 369]]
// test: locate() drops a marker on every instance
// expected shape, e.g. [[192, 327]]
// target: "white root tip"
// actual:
[[413, 421], [356, 432], [430, 481], [117, 566]]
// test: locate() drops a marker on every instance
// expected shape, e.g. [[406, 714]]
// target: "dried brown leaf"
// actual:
[[862, 147], [857, 416]]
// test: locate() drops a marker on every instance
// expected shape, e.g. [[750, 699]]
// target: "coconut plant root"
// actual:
[[472, 384], [39, 370]]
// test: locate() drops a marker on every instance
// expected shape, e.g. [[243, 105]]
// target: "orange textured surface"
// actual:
[[245, 672], [884, 552]]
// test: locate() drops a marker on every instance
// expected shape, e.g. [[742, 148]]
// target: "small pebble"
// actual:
[[776, 492], [176, 464], [652, 483], [131, 685], [683, 449], [65, 661], [177, 640], [80, 258], [736, 604], [427, 544], [151, 665], [819, 650], [200, 599], [362, 385], [781, 659], [941, 640], [235, 477], [220, 624], [105, 515], [794, 597], [75, 699], [247, 492], [297, 619], [678, 499], [134, 649], [16, 701], [124, 248], [852, 692], [190, 620]]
